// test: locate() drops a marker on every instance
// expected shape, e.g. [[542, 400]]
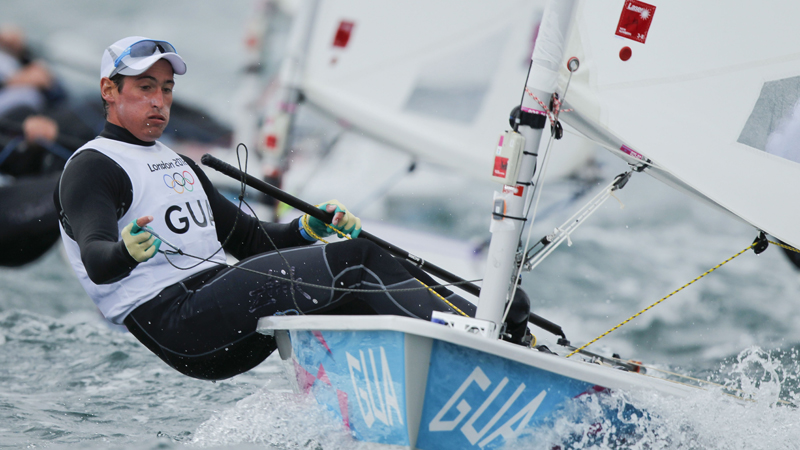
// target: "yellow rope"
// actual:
[[741, 393], [444, 300], [307, 227], [787, 247], [656, 303], [304, 221], [533, 338]]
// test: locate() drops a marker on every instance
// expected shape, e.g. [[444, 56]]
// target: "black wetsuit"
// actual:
[[205, 325]]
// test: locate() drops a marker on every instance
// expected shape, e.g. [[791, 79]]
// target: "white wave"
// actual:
[[762, 418], [279, 419]]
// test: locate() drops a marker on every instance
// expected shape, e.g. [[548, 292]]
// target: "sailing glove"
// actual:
[[141, 244], [347, 223]]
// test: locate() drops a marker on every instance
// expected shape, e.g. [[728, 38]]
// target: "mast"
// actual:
[[273, 140], [509, 204]]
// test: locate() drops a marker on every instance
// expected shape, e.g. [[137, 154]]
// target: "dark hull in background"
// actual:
[[28, 219]]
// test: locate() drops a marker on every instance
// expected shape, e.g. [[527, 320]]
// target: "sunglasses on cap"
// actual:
[[141, 49]]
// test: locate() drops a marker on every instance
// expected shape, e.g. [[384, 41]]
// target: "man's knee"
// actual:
[[353, 251], [367, 255]]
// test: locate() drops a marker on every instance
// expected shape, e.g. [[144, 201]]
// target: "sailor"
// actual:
[[144, 230], [32, 105]]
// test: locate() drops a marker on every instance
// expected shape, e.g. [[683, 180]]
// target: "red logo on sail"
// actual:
[[343, 33], [635, 20]]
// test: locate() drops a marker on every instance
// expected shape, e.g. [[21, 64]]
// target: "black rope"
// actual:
[[292, 280], [499, 216], [235, 221]]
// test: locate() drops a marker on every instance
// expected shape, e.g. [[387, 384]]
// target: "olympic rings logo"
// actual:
[[180, 183]]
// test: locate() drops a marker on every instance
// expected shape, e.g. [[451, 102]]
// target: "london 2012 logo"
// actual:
[[180, 182]]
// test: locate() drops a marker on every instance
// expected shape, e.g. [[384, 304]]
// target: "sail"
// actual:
[[705, 91], [437, 79]]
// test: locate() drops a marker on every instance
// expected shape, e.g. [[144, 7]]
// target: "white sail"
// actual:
[[437, 79], [708, 97]]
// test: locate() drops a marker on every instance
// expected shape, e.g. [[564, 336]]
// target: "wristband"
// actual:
[[303, 231]]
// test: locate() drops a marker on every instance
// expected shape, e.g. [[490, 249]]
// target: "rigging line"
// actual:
[[537, 194], [612, 360], [285, 261], [553, 116], [737, 397], [230, 234], [292, 280], [664, 298], [331, 288], [556, 111], [288, 265], [243, 190], [784, 246], [741, 396], [701, 381], [525, 89], [264, 230], [606, 142], [444, 299], [319, 286]]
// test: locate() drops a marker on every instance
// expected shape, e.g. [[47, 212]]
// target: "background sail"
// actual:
[[708, 97], [437, 79]]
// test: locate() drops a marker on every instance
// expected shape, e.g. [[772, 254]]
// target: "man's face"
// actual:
[[142, 107]]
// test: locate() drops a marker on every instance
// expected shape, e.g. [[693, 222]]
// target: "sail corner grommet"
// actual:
[[573, 64]]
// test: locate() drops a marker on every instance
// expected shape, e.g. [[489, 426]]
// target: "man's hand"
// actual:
[[40, 128], [343, 220], [141, 244], [34, 74]]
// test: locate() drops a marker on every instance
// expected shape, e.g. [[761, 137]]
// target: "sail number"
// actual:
[[374, 392], [508, 430]]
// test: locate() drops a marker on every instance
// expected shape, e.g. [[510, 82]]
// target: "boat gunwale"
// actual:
[[572, 368]]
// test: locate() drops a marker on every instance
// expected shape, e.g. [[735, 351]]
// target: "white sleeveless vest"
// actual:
[[164, 187]]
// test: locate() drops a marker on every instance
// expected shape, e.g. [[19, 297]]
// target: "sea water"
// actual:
[[69, 380]]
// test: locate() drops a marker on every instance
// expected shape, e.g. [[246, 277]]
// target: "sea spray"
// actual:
[[751, 407], [282, 420], [765, 377]]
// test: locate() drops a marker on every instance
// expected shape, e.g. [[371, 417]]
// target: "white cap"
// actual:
[[130, 65]]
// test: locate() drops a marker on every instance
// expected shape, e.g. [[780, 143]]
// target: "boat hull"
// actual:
[[29, 221], [412, 384]]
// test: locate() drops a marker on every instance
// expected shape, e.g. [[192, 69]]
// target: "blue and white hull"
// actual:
[[413, 384]]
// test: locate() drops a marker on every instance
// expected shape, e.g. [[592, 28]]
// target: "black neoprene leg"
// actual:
[[517, 320], [361, 265], [458, 301], [208, 330]]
